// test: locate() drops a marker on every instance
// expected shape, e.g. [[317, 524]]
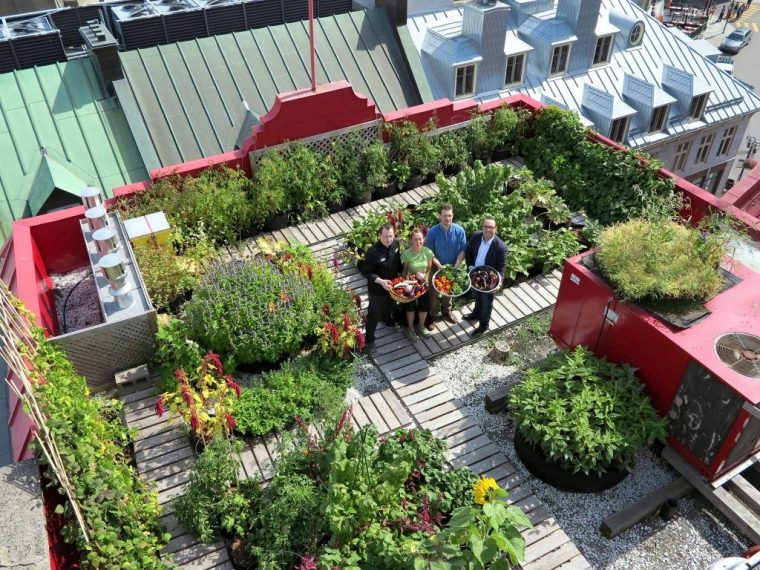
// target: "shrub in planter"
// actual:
[[203, 399], [251, 312], [376, 163], [351, 177], [414, 148], [583, 413], [502, 130], [452, 147], [364, 231], [174, 350], [661, 260], [268, 197], [310, 179], [304, 388], [216, 499], [217, 199], [480, 137]]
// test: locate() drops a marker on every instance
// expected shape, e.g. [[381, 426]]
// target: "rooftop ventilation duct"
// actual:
[[92, 197], [119, 287], [105, 241], [96, 218]]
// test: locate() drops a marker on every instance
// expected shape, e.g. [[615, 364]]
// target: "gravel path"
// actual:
[[367, 380], [696, 537]]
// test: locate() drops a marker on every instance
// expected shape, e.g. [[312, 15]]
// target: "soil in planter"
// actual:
[[557, 476], [361, 199], [76, 300], [384, 191], [260, 367], [413, 182], [239, 554], [276, 222]]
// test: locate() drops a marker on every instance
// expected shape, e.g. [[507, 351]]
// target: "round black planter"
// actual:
[[276, 222], [384, 191], [413, 182], [333, 207], [361, 199], [561, 478]]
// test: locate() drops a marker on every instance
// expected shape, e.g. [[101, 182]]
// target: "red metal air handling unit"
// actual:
[[713, 412]]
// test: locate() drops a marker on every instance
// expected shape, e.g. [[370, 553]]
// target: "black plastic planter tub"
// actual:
[[561, 478]]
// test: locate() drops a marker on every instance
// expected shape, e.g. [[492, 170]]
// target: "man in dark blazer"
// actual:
[[485, 248]]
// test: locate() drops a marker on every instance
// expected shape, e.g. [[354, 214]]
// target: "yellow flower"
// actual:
[[483, 489]]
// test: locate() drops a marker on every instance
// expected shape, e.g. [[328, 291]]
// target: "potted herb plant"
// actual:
[[501, 130], [348, 157], [453, 151], [376, 160], [268, 196], [580, 420], [480, 137], [304, 183]]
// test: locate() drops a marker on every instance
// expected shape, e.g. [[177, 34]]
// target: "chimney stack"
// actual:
[[104, 51]]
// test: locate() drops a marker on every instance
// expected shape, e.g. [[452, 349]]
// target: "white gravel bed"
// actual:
[[697, 536], [367, 380], [82, 307]]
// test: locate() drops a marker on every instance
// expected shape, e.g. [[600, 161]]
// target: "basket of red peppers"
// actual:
[[408, 288], [485, 279]]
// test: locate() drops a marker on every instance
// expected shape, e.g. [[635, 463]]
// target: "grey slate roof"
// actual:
[[660, 48], [183, 100]]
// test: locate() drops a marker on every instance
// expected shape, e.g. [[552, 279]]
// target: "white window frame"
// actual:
[[698, 106], [608, 54], [524, 57], [615, 126], [663, 110], [683, 151], [703, 150], [727, 141], [569, 47], [464, 94]]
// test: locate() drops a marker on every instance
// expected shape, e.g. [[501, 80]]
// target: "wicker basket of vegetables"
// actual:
[[407, 289], [451, 282]]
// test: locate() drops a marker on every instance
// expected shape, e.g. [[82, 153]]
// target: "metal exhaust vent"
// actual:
[[740, 352]]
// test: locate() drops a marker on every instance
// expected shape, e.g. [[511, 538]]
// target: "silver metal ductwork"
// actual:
[[92, 197]]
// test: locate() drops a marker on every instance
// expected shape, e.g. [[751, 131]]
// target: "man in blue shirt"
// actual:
[[448, 241]]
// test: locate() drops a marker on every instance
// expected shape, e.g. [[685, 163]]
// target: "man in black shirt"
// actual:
[[381, 264]]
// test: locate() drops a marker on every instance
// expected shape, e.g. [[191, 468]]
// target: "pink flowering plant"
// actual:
[[204, 400]]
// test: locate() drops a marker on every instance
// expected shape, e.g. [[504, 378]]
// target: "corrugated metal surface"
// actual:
[[729, 98], [61, 108], [182, 99]]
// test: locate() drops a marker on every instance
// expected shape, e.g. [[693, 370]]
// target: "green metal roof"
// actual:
[[58, 129], [183, 100]]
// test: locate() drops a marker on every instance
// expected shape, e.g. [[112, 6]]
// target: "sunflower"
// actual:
[[483, 489]]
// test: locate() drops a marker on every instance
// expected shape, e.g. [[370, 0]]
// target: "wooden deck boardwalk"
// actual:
[[417, 397]]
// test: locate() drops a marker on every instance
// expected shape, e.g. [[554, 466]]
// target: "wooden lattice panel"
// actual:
[[99, 352]]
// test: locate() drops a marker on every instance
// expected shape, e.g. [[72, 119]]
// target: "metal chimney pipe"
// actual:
[[113, 268], [92, 197], [96, 218]]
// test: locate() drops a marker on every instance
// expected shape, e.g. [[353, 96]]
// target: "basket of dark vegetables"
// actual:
[[451, 282], [408, 288], [485, 279]]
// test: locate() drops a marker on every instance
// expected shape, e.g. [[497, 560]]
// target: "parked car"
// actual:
[[739, 38], [726, 64]]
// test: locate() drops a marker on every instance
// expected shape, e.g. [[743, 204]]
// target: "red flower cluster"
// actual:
[[233, 385], [332, 330], [160, 409], [307, 563], [213, 360], [231, 423]]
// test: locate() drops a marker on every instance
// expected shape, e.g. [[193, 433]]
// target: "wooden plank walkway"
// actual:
[[416, 398]]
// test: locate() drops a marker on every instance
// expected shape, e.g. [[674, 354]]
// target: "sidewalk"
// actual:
[[717, 28]]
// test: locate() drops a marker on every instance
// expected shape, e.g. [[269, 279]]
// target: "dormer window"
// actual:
[[603, 50], [658, 119], [515, 69], [636, 34], [560, 57], [697, 108], [465, 81], [619, 128]]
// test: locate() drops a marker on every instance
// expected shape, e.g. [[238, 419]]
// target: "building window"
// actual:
[[465, 81], [727, 140], [603, 50], [697, 108], [515, 68], [618, 129], [560, 57], [711, 181], [658, 119], [636, 35], [682, 153], [703, 150]]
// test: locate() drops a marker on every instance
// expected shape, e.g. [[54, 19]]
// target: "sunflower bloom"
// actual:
[[483, 489]]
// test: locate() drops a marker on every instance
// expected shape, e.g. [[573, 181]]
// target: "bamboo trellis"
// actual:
[[17, 347]]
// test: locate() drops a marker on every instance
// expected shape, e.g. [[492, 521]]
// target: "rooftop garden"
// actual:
[[269, 345]]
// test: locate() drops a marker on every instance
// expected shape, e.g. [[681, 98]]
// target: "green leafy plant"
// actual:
[[350, 156], [174, 350], [364, 231], [251, 312], [376, 164], [309, 179], [661, 260], [120, 510], [585, 413], [268, 198], [413, 148], [478, 536], [204, 400], [216, 199], [503, 128], [216, 499], [304, 387], [452, 147], [610, 185]]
